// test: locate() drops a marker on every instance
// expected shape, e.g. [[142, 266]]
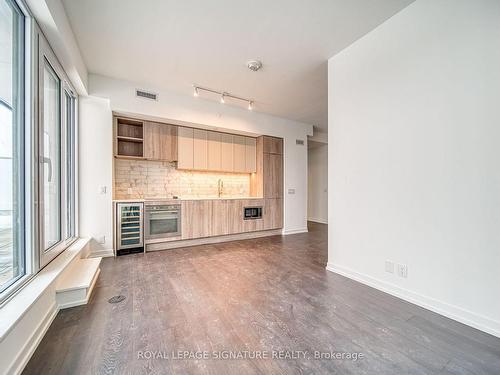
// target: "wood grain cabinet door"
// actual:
[[250, 155], [273, 145], [196, 218], [239, 153], [221, 217], [184, 148], [227, 157], [273, 214], [160, 141], [214, 151], [200, 149], [273, 176], [151, 140]]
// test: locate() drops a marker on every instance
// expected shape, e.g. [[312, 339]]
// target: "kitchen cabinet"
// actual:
[[185, 148], [227, 159], [235, 212], [128, 138], [160, 141], [214, 151], [273, 175], [200, 149], [273, 214], [250, 154], [273, 145], [221, 217], [196, 219], [204, 150], [252, 225], [239, 153]]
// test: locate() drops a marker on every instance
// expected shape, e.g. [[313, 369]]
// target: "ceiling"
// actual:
[[174, 44]]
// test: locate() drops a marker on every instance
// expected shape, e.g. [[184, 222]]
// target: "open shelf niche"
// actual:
[[129, 138]]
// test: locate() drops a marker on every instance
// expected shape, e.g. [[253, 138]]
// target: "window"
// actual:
[[57, 149], [70, 116], [37, 151], [12, 218], [51, 157]]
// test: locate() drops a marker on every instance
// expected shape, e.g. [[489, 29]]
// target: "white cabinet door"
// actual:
[[214, 151], [250, 154], [200, 147], [185, 148], [239, 153]]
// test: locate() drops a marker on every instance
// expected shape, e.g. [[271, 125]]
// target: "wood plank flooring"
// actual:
[[268, 295]]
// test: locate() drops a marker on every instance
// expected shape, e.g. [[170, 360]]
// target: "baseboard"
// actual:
[[469, 318], [210, 240], [29, 348], [316, 220], [102, 253], [294, 231]]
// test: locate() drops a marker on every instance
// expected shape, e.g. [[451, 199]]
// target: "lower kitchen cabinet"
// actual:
[[221, 217], [196, 218], [273, 214], [206, 218], [252, 225]]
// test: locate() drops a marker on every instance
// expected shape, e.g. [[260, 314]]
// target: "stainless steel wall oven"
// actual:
[[162, 221]]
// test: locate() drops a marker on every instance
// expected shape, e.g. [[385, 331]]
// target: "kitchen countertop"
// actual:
[[171, 200]]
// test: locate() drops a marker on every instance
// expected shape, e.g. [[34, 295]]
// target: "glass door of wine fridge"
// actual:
[[130, 225]]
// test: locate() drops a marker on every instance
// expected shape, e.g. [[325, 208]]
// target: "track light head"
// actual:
[[222, 100], [196, 93], [250, 105]]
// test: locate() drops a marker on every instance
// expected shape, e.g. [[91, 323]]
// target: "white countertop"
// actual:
[[181, 199]]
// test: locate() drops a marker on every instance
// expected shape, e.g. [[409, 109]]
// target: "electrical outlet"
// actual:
[[101, 240], [104, 189], [129, 191], [291, 191], [403, 270], [389, 266]]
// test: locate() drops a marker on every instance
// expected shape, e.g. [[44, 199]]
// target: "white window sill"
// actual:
[[15, 308]]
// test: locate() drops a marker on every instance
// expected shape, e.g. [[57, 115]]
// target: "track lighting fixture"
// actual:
[[223, 95]]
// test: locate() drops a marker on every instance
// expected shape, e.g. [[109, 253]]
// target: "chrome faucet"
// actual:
[[220, 186]]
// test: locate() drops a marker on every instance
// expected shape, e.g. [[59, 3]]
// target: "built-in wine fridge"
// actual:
[[130, 224]]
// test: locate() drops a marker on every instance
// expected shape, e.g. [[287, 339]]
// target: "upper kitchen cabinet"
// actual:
[[129, 140], [185, 148], [200, 149], [204, 150], [160, 141], [239, 152], [250, 155], [273, 145], [215, 151], [227, 156]]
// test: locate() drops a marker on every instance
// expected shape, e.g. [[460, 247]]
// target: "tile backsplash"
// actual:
[[147, 179]]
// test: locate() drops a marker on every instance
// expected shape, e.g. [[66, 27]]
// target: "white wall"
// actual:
[[96, 146], [414, 158], [95, 171], [317, 191], [51, 17]]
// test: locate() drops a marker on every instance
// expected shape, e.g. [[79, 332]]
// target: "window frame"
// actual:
[[26, 114], [46, 55], [34, 260]]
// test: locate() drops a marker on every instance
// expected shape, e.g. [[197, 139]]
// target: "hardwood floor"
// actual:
[[255, 295]]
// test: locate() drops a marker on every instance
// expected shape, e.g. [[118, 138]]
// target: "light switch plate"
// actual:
[[291, 191]]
